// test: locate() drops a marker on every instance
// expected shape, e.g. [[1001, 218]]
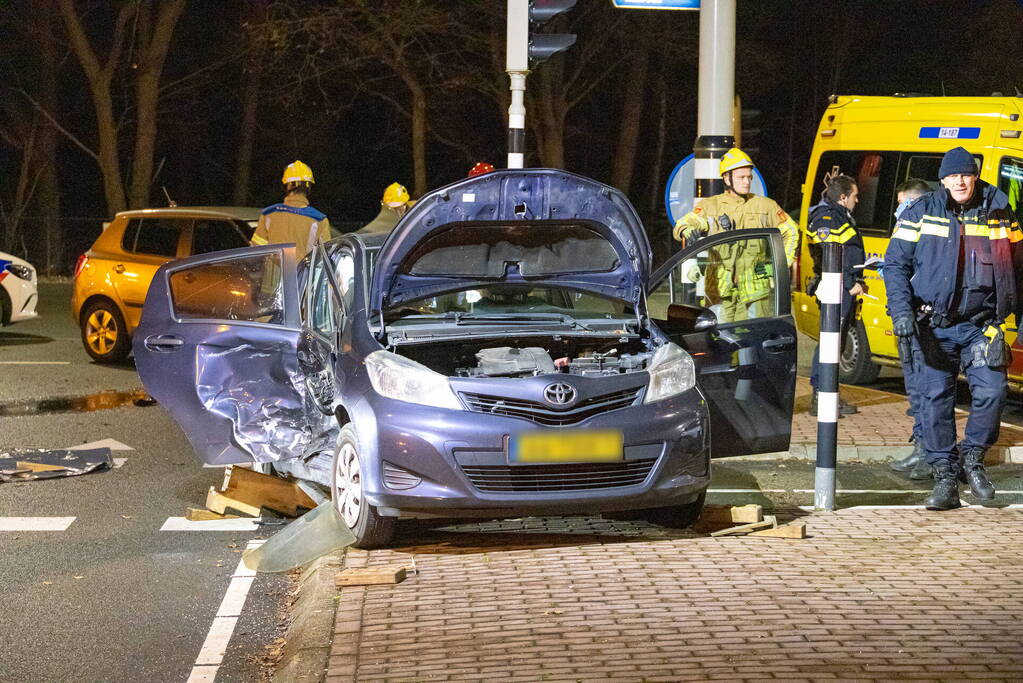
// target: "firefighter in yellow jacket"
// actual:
[[739, 276], [293, 220]]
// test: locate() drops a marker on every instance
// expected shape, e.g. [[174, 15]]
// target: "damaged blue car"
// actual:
[[507, 350]]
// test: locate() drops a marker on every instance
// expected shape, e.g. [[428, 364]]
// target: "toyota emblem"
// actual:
[[559, 394]]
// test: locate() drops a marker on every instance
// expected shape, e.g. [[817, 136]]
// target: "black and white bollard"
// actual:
[[829, 293]]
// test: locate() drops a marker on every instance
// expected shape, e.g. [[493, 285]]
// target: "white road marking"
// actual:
[[112, 444], [211, 656], [887, 491], [119, 462], [747, 490], [35, 523], [182, 524], [35, 362]]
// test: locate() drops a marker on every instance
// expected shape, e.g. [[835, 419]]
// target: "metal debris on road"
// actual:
[[29, 464]]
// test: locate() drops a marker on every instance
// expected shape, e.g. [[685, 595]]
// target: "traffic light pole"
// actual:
[[714, 127], [517, 66]]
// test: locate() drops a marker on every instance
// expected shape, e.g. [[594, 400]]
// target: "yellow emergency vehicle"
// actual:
[[881, 142]]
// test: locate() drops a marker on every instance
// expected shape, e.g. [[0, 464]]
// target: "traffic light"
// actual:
[[543, 46], [527, 48]]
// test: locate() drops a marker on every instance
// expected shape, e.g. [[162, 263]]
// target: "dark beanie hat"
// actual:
[[957, 160]]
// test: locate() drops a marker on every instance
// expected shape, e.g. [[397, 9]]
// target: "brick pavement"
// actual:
[[882, 420], [871, 595]]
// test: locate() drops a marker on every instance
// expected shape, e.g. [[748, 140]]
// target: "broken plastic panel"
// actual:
[[308, 538]]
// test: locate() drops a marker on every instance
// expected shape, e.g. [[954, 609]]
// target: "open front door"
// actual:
[[746, 364], [217, 348]]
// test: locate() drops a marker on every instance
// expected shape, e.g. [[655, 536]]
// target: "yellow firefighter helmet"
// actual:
[[735, 158], [297, 172], [395, 195]]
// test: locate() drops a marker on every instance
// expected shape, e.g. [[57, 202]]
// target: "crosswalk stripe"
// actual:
[[112, 444], [182, 524], [35, 523]]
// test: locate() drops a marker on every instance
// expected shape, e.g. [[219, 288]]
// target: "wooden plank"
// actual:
[[263, 490], [732, 514], [371, 576], [202, 515], [768, 521], [794, 530], [219, 503]]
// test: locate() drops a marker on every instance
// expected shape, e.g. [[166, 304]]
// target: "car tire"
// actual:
[[370, 529], [104, 334], [855, 365], [681, 516]]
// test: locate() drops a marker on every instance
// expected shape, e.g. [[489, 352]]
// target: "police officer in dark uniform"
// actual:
[[952, 272], [832, 221]]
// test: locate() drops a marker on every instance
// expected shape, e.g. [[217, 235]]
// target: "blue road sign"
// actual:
[[656, 4]]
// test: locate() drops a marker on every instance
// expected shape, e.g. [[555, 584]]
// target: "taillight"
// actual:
[[80, 265]]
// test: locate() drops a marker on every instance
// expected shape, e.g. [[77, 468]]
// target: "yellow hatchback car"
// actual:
[[112, 278]]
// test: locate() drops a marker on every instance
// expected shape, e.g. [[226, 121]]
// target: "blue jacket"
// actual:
[[921, 264], [832, 222]]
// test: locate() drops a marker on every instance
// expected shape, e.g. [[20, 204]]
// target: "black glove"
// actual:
[[763, 270], [904, 326]]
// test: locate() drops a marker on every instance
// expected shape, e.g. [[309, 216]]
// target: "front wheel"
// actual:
[[681, 516], [855, 365], [370, 529]]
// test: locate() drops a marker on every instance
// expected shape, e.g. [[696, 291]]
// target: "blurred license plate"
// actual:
[[585, 446]]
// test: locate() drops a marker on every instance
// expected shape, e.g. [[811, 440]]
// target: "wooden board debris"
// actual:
[[202, 515], [793, 530], [768, 521], [247, 492], [371, 576], [732, 514]]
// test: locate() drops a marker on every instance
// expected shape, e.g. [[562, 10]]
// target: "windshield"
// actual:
[[511, 300], [534, 248]]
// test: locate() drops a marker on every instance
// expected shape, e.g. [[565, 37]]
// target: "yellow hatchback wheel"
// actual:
[[104, 334]]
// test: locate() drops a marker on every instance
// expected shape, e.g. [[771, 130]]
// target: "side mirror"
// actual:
[[690, 318]]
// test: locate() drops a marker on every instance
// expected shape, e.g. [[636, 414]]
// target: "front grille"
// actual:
[[541, 413], [574, 477]]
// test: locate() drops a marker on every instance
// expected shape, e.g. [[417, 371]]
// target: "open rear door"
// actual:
[[746, 364], [217, 348]]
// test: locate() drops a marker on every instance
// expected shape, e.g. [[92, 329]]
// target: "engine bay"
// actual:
[[531, 357]]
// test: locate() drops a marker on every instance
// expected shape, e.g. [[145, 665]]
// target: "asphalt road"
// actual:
[[112, 597]]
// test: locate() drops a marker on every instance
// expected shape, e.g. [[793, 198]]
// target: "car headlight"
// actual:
[[671, 372], [402, 379], [24, 272]]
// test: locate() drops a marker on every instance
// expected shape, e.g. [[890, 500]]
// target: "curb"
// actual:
[[995, 456], [311, 632]]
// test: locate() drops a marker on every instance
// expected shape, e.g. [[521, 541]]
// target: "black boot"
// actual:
[[921, 471], [945, 495], [910, 461], [973, 473]]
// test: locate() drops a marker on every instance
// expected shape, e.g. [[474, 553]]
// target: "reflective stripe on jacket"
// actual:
[[921, 263]]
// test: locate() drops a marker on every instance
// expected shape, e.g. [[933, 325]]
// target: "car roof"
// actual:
[[243, 213]]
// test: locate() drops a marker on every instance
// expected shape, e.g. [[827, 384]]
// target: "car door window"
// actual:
[[345, 275], [1010, 181], [323, 305], [248, 288], [153, 236], [737, 280], [215, 235]]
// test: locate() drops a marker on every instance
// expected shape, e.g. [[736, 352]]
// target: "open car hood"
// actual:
[[539, 226]]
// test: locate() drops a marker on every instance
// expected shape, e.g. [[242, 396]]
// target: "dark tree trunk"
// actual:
[[624, 161]]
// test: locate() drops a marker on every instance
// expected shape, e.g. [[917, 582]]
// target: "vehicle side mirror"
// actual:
[[691, 318]]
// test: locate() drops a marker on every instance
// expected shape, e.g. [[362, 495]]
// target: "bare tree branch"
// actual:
[[63, 131]]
